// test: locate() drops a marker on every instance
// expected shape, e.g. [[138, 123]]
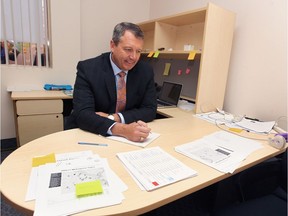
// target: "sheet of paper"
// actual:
[[191, 55], [32, 185], [185, 105], [155, 168], [150, 54], [152, 136], [57, 192], [167, 69], [215, 117], [89, 188], [221, 150], [156, 54], [256, 126], [229, 121], [37, 161]]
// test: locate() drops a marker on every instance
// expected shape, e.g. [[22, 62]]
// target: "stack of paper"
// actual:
[[233, 122], [221, 150], [75, 182], [153, 168]]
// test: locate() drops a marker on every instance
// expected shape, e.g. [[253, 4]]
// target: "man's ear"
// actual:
[[112, 45]]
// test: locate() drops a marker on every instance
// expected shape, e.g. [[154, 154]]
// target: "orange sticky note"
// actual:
[[41, 160], [150, 54], [191, 55]]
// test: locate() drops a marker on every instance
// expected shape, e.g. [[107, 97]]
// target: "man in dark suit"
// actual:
[[95, 89]]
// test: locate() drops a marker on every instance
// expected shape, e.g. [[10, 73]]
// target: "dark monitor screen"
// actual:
[[170, 92]]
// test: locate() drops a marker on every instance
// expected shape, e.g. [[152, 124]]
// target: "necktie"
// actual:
[[121, 92]]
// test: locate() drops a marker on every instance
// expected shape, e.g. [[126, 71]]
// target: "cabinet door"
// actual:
[[214, 67], [35, 126]]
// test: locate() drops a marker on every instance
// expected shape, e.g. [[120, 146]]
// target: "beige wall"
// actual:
[[97, 22], [65, 54], [257, 83], [80, 30]]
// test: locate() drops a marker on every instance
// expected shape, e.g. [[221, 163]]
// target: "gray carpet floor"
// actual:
[[6, 209]]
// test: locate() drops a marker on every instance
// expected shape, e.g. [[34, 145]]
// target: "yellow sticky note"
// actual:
[[238, 130], [150, 54], [88, 188], [167, 69], [37, 161], [191, 55], [156, 54]]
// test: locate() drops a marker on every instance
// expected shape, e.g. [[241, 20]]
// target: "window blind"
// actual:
[[25, 33]]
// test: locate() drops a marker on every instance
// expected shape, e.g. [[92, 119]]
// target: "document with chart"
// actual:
[[73, 186], [41, 160], [221, 150], [154, 168]]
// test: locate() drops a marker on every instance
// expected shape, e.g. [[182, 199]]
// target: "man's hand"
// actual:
[[136, 131]]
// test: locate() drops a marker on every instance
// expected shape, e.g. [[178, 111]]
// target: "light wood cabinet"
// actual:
[[38, 113], [210, 31]]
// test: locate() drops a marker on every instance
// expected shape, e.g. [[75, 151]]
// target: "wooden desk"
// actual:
[[37, 113], [174, 131]]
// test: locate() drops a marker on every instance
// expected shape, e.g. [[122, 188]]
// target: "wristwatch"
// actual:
[[110, 116]]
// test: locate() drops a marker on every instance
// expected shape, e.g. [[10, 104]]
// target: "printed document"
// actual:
[[32, 185], [154, 168], [221, 150], [56, 188], [244, 123]]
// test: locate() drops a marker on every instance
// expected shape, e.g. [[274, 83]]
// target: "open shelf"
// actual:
[[209, 32]]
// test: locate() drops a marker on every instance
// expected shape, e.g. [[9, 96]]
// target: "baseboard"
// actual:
[[8, 144]]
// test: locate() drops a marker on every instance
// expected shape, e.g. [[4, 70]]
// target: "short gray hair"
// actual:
[[120, 29]]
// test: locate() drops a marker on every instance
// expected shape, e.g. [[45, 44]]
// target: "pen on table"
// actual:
[[251, 119], [89, 143]]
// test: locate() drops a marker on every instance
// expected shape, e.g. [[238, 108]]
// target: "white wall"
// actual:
[[65, 54], [257, 82]]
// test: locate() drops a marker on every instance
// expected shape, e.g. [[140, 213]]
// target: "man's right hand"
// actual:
[[136, 131]]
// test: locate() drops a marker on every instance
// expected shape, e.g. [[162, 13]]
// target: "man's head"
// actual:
[[126, 45]]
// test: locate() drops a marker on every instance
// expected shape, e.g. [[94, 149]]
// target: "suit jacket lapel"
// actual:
[[109, 79]]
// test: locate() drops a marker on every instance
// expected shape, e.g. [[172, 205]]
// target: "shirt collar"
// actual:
[[115, 68]]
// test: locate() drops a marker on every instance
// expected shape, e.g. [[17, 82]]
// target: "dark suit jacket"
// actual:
[[95, 91]]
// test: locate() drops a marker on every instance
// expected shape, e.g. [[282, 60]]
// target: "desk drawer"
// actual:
[[34, 107], [35, 126]]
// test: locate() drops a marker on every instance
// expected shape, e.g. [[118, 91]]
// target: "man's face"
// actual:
[[127, 53]]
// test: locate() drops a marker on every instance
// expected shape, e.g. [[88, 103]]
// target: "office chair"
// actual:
[[263, 190]]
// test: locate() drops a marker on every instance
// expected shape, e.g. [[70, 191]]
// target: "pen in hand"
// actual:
[[89, 143], [142, 124]]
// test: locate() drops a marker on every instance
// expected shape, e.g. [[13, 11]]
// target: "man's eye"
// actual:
[[128, 49]]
